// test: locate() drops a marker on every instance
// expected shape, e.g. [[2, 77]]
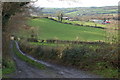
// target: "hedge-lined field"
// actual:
[[48, 29], [90, 23]]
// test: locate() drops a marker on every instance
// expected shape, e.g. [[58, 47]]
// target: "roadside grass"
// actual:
[[0, 73], [100, 68], [48, 29], [26, 59], [106, 71], [0, 66], [9, 66]]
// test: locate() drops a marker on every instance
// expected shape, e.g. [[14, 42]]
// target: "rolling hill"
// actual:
[[48, 29], [79, 11]]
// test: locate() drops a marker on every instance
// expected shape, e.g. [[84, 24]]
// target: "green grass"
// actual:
[[90, 23], [48, 29], [28, 60], [0, 73], [0, 66], [72, 13], [108, 72], [85, 23], [95, 46], [10, 67]]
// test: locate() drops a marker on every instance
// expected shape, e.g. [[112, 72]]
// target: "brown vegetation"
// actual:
[[10, 25]]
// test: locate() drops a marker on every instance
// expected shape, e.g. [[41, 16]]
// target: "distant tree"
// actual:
[[104, 19], [60, 16]]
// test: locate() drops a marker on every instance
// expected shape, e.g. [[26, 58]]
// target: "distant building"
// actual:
[[106, 22], [100, 21], [65, 18], [97, 21], [12, 38]]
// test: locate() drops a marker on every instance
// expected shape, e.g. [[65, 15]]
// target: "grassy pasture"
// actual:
[[85, 23], [48, 29]]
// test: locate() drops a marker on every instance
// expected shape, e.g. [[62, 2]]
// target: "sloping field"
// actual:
[[48, 29]]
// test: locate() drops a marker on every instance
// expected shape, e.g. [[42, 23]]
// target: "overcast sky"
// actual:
[[75, 3]]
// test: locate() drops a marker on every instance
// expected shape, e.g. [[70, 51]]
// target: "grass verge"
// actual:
[[0, 73], [26, 59], [109, 72], [9, 66]]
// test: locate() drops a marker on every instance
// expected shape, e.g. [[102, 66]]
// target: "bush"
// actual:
[[77, 54], [8, 66]]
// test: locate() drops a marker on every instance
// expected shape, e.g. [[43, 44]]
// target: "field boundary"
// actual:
[[64, 41], [78, 24]]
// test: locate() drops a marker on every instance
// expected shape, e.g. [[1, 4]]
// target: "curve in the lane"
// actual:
[[52, 70]]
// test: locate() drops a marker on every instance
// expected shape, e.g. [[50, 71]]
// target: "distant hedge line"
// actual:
[[64, 41], [77, 24]]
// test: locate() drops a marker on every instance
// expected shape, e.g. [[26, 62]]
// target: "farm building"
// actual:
[[100, 21], [106, 22], [65, 18]]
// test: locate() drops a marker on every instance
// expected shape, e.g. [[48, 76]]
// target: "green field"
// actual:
[[48, 29], [90, 23], [85, 23]]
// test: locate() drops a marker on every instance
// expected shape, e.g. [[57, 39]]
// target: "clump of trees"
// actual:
[[9, 9]]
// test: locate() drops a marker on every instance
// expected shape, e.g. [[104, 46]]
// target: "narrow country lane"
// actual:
[[24, 70]]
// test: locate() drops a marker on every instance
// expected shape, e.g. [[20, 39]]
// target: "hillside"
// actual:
[[48, 29], [80, 11]]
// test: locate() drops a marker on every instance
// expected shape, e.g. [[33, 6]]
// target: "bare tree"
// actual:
[[60, 15], [36, 10]]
